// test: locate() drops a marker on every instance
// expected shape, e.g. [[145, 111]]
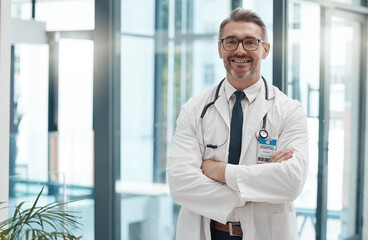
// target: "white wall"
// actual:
[[4, 100]]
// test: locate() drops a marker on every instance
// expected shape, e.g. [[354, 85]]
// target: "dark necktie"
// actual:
[[236, 129]]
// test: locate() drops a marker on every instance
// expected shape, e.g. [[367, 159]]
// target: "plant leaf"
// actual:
[[17, 210], [25, 224], [35, 203]]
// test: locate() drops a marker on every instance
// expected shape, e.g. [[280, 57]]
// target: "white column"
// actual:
[[4, 101]]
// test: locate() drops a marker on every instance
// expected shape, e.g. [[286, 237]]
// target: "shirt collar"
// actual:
[[251, 92]]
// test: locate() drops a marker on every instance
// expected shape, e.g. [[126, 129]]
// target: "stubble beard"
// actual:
[[236, 75]]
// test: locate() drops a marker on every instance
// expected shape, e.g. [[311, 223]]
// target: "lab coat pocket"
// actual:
[[284, 226]]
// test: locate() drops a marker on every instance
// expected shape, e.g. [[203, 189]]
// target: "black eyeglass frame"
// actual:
[[242, 41]]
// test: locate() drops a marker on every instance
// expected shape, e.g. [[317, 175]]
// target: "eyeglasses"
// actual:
[[249, 43]]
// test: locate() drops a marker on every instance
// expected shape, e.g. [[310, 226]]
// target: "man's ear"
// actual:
[[219, 49], [266, 51]]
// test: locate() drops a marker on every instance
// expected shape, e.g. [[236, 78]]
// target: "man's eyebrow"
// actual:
[[247, 37], [230, 36]]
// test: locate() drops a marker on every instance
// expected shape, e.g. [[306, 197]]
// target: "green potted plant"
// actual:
[[40, 223]]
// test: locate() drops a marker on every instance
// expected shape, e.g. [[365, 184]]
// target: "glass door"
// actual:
[[324, 74], [343, 51], [303, 85]]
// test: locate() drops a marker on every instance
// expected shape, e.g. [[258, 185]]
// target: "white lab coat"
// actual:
[[269, 189]]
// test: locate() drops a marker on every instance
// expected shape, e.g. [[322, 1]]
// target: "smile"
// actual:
[[240, 61]]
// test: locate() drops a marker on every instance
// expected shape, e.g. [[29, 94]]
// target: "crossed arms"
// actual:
[[216, 169]]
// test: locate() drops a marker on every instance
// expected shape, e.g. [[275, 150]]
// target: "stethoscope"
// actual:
[[262, 133]]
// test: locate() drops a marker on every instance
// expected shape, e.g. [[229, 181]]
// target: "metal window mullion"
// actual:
[[364, 3], [13, 128], [53, 82], [324, 99], [33, 9], [53, 110], [106, 118], [280, 40], [236, 4], [159, 130], [116, 114], [362, 127], [189, 16]]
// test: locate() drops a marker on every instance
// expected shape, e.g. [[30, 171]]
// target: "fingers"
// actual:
[[214, 170], [207, 166], [281, 155], [285, 157]]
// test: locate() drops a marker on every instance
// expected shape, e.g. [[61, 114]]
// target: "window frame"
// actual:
[[5, 20]]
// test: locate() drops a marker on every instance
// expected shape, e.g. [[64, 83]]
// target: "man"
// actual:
[[237, 164]]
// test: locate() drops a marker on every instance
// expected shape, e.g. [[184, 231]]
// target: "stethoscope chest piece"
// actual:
[[261, 134]]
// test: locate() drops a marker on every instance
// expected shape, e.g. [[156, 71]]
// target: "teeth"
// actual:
[[241, 61]]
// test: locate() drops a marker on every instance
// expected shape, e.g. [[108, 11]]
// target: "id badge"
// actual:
[[266, 148]]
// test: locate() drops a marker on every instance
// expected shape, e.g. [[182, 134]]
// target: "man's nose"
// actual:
[[240, 48]]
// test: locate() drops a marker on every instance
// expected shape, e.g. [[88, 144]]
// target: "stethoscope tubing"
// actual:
[[259, 134]]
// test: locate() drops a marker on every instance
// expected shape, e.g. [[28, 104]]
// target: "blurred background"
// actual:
[[96, 87]]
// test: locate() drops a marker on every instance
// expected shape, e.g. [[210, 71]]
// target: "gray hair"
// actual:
[[244, 15]]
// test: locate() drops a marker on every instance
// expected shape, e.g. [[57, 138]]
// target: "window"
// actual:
[[303, 84], [324, 73], [51, 138], [164, 61]]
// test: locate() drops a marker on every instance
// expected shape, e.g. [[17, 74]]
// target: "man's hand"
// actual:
[[214, 170], [281, 155]]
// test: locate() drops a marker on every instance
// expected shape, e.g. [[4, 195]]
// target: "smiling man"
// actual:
[[241, 63], [239, 157]]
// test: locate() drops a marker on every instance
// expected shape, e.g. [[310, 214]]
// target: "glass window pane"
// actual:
[[138, 16], [137, 101], [66, 15], [29, 128], [208, 68], [344, 122], [73, 164], [303, 84], [264, 9], [205, 21], [21, 10], [350, 2], [28, 150], [30, 167], [75, 110]]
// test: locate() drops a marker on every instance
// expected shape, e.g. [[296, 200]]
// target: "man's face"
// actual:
[[241, 64]]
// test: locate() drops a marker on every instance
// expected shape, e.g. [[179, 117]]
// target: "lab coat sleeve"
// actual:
[[189, 187], [279, 182]]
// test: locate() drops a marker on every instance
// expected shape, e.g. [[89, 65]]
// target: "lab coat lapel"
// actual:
[[222, 107], [259, 110]]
